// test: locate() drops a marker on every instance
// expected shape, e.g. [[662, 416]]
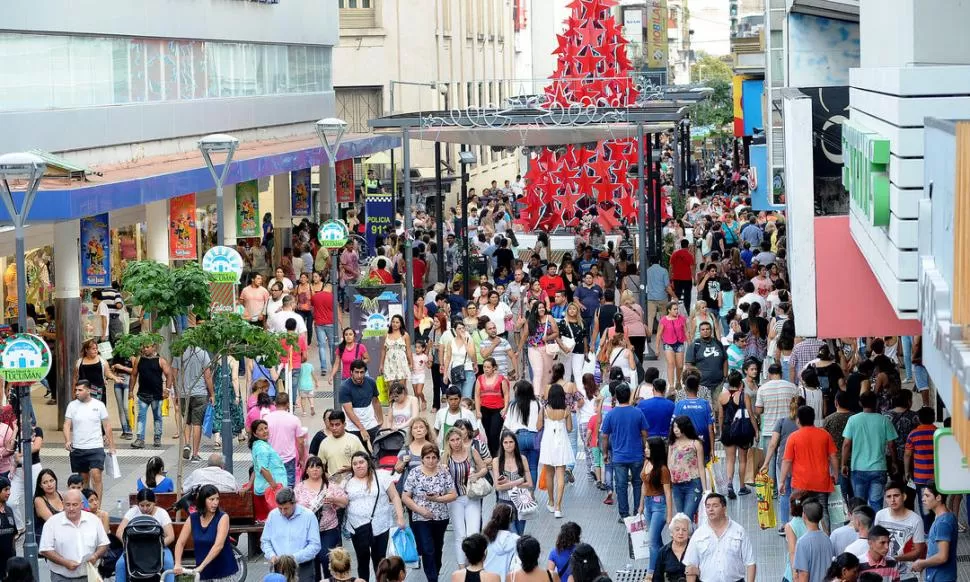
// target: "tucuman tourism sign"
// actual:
[[224, 264], [333, 234], [24, 357]]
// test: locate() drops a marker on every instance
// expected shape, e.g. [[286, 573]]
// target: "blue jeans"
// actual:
[[329, 539], [655, 514], [687, 496], [156, 406], [772, 466], [784, 504], [168, 562], [430, 539], [527, 445], [121, 397], [626, 474], [572, 442], [290, 467], [468, 388], [324, 347], [869, 485], [907, 341]]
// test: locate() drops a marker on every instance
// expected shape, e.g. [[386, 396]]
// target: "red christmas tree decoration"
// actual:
[[592, 70]]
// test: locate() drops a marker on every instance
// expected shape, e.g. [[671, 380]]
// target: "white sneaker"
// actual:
[[558, 514], [551, 509]]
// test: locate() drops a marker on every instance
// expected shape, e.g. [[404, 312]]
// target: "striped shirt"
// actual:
[[920, 444], [803, 353], [886, 568]]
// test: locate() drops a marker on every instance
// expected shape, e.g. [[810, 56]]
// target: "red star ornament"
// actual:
[[604, 191], [628, 205], [590, 62], [600, 167], [584, 183], [589, 34], [607, 219]]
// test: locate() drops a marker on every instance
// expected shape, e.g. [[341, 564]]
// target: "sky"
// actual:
[[709, 21]]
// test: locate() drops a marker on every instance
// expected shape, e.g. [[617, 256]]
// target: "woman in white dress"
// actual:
[[555, 452]]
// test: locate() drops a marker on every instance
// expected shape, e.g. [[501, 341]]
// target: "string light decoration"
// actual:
[[592, 68]]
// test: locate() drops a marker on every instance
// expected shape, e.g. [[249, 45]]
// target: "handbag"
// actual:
[[552, 348], [568, 343], [479, 489], [457, 373], [524, 503], [364, 530], [742, 431]]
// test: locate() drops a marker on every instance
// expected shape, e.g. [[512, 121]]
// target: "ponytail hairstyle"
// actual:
[[286, 566], [391, 569]]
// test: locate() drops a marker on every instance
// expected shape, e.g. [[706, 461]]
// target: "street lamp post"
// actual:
[[216, 144], [330, 131], [465, 158], [30, 168], [390, 86]]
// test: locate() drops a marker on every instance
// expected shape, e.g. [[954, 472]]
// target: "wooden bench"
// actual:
[[238, 505]]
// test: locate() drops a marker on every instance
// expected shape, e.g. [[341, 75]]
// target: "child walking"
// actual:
[[307, 386], [419, 372]]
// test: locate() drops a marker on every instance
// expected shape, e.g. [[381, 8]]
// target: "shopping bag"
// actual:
[[719, 481], [207, 421], [764, 487], [756, 458], [92, 573], [105, 350], [637, 539], [542, 477], [115, 467], [382, 391], [589, 364], [403, 544], [131, 414], [838, 513], [270, 496], [165, 405]]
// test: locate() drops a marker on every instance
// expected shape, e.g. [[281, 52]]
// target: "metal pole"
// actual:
[[408, 235], [676, 136], [463, 239], [652, 216], [642, 220], [334, 257], [439, 212], [658, 243]]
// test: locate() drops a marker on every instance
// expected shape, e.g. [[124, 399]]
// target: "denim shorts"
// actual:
[[677, 348], [921, 377]]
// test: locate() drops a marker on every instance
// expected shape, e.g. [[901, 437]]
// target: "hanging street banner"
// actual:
[[656, 50], [380, 217], [95, 258], [24, 358], [223, 264], [247, 210], [183, 242], [300, 193], [345, 181]]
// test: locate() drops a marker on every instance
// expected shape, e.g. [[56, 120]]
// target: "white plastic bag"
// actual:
[[636, 530], [590, 364], [115, 467]]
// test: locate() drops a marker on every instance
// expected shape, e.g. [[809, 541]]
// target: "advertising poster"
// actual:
[[345, 181], [247, 210], [95, 258], [380, 216], [183, 244], [656, 53], [300, 193]]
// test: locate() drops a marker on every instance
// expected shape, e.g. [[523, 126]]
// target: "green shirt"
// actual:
[[870, 432]]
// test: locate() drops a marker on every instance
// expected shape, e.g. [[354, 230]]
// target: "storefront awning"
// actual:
[[162, 177], [850, 301]]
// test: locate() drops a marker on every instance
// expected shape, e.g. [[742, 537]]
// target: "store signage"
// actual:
[[380, 212], [952, 478], [300, 193], [936, 313], [633, 24], [224, 264], [333, 234], [95, 255], [183, 242], [344, 170], [656, 52], [247, 210], [24, 358], [865, 171]]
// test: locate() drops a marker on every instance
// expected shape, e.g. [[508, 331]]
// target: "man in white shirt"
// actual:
[[751, 296], [103, 311], [71, 538], [83, 421], [861, 522], [277, 321], [772, 403], [275, 302], [907, 539], [446, 417], [214, 474], [719, 551]]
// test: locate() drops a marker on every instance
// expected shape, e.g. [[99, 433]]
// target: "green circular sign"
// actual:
[[333, 234], [24, 357]]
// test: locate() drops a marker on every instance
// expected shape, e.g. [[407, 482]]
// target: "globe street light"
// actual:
[[330, 131], [26, 170], [215, 144]]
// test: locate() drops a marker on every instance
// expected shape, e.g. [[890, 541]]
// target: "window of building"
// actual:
[[469, 95], [62, 72], [358, 13], [357, 105]]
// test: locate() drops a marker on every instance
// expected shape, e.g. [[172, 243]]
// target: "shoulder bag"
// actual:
[[524, 503], [569, 342], [457, 373], [742, 431], [552, 348], [482, 487]]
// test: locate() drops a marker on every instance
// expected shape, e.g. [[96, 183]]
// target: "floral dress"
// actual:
[[683, 463], [224, 378], [396, 359]]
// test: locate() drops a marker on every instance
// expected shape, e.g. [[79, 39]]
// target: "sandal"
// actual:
[[608, 500]]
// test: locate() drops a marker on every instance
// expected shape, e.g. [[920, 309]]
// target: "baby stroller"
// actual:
[[387, 444], [144, 550]]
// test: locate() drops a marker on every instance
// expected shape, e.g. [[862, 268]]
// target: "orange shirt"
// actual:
[[809, 449]]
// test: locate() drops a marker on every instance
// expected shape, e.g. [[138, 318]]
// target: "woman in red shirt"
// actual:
[[491, 398]]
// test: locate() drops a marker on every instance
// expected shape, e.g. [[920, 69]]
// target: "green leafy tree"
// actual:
[[131, 345], [167, 292], [717, 110], [708, 68], [228, 334]]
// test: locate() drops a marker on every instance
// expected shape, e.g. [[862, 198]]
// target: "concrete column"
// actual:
[[229, 214], [156, 217], [67, 304], [282, 219], [325, 194]]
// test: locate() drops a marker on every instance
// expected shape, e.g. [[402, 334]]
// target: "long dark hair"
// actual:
[[556, 398], [519, 467], [38, 490], [315, 461], [343, 343], [204, 492], [558, 372], [370, 466], [844, 561], [658, 461], [252, 431], [590, 387], [568, 536], [500, 521], [586, 565], [528, 550], [686, 428], [153, 468], [533, 318], [390, 569], [524, 395]]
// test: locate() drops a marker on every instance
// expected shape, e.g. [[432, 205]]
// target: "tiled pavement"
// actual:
[[583, 505]]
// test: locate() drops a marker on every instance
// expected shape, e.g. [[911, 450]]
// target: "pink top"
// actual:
[[633, 321], [256, 413], [347, 358], [313, 500], [420, 364], [673, 331], [284, 429]]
